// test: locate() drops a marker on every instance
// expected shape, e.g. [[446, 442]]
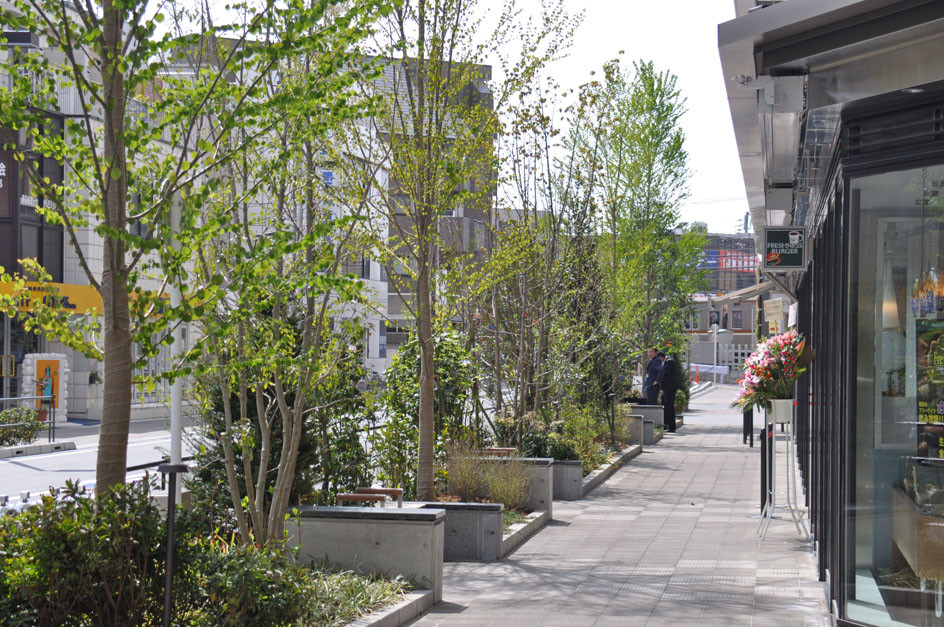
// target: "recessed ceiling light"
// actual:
[[912, 90]]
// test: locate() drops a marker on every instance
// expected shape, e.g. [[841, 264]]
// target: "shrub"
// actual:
[[548, 441], [100, 561], [508, 483], [465, 472], [28, 425], [79, 559], [681, 400]]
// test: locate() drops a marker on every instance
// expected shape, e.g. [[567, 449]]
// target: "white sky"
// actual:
[[680, 36]]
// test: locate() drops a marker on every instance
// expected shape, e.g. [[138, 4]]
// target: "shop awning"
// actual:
[[743, 294]]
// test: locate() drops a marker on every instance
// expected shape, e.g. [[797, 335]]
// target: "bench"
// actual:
[[499, 451], [396, 493], [362, 498]]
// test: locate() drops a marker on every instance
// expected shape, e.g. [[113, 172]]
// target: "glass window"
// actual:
[[737, 319], [896, 517]]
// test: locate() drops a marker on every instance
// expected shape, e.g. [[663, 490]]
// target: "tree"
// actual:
[[435, 132], [145, 134]]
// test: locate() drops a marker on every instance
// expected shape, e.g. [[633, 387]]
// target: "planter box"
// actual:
[[679, 420], [413, 604], [636, 429], [473, 531], [648, 432], [655, 412], [388, 542], [568, 480], [26, 450], [523, 530], [605, 471]]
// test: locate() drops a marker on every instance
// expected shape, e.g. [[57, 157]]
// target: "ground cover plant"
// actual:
[[99, 560]]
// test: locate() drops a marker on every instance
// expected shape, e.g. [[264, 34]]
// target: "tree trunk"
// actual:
[[117, 366], [425, 490]]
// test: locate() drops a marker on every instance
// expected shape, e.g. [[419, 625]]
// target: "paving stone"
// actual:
[[671, 539]]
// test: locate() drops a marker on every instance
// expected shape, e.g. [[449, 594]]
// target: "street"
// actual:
[[148, 442]]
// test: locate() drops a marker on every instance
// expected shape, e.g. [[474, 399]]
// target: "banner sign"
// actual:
[[75, 298], [732, 260], [784, 248], [930, 375]]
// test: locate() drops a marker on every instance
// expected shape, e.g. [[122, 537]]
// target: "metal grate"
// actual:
[[910, 128]]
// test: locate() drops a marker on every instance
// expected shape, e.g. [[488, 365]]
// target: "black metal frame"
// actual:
[[825, 422]]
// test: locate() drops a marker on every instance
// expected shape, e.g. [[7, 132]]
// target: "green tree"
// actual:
[[435, 134], [149, 129]]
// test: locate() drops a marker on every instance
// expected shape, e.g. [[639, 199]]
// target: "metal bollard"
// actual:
[[173, 470]]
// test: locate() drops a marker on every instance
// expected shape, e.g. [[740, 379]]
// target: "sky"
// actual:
[[680, 36]]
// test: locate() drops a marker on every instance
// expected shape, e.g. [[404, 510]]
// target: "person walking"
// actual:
[[651, 385], [670, 380]]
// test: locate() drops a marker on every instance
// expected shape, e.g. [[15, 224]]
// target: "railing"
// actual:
[[49, 402]]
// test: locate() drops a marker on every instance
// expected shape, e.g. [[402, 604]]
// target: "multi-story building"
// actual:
[[837, 107]]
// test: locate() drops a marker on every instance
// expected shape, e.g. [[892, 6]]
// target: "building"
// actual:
[[838, 110], [25, 234], [729, 303]]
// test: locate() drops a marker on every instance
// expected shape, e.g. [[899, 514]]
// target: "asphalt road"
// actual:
[[149, 442]]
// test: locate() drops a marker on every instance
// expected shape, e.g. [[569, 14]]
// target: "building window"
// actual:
[[737, 319], [383, 341]]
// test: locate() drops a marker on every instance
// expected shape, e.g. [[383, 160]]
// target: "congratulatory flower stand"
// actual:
[[767, 383]]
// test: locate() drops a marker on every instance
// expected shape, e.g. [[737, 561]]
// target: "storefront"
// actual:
[[838, 108]]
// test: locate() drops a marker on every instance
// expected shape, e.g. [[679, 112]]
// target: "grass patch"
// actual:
[[511, 517], [339, 597]]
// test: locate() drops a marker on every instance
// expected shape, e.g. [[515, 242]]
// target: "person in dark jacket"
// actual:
[[651, 386], [670, 380]]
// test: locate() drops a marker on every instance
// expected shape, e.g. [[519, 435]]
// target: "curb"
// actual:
[[35, 449], [603, 473], [413, 604], [699, 389], [523, 531]]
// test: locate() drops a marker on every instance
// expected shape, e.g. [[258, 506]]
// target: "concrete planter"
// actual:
[[413, 604], [568, 480], [648, 432], [523, 530], [654, 412], [35, 449], [389, 542], [606, 471], [473, 531]]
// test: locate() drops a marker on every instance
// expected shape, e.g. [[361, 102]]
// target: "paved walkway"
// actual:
[[670, 539]]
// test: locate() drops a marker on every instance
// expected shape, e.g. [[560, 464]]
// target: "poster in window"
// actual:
[[930, 376]]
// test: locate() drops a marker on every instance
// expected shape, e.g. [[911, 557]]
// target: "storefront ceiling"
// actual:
[[848, 50]]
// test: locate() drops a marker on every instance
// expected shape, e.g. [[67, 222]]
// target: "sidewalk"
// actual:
[[670, 539]]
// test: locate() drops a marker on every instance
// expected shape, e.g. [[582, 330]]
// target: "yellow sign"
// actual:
[[75, 298], [775, 326]]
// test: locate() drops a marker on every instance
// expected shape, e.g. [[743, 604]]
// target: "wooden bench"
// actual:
[[500, 451], [396, 493], [362, 498]]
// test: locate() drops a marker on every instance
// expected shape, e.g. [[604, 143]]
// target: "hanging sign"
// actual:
[[784, 248]]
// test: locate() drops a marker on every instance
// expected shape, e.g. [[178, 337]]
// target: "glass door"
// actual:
[[896, 517]]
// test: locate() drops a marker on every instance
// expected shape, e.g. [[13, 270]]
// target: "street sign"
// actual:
[[784, 248]]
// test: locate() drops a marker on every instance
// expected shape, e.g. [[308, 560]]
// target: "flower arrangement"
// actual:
[[772, 369]]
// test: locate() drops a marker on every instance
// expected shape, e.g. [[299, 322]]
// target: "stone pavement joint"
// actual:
[[670, 539]]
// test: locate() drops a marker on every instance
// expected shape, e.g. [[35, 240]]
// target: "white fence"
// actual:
[[726, 368]]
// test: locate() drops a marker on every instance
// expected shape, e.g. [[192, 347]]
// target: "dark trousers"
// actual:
[[668, 407], [652, 395]]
